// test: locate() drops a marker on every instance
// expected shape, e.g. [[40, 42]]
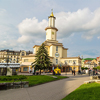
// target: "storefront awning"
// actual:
[[11, 65]]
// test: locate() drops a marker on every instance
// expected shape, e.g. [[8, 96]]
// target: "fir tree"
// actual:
[[42, 60]]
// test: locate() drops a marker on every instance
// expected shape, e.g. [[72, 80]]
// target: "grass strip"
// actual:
[[89, 91], [37, 79]]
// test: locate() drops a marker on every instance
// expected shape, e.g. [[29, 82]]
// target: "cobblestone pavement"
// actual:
[[55, 90]]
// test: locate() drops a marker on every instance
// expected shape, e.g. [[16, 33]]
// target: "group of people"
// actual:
[[79, 72], [94, 72]]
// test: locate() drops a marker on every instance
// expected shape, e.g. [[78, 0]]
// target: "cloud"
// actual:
[[31, 30], [83, 21], [98, 37], [24, 39], [32, 27], [2, 12], [92, 53]]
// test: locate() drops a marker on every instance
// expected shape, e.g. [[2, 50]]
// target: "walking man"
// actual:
[[74, 72]]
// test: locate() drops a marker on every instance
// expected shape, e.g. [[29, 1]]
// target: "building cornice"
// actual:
[[72, 58], [65, 48], [30, 55], [36, 46], [56, 45], [51, 28], [52, 16]]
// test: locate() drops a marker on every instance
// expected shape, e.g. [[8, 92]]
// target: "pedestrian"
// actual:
[[89, 72], [74, 72], [96, 72], [80, 72]]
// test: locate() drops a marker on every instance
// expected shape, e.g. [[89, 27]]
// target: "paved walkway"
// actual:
[[49, 91]]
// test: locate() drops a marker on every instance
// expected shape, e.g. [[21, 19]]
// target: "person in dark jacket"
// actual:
[[74, 72]]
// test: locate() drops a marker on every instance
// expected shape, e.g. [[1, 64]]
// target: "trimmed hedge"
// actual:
[[11, 78]]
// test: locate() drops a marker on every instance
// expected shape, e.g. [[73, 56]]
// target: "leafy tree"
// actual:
[[42, 60], [82, 68], [98, 67], [86, 68], [95, 68]]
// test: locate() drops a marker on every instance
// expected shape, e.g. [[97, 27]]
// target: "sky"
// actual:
[[23, 23]]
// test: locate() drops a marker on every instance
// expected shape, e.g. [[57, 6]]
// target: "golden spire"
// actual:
[[52, 13]]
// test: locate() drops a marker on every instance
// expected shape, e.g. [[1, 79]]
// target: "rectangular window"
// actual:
[[25, 69], [25, 60], [70, 68], [74, 61], [56, 48], [70, 61], [56, 61], [65, 62]]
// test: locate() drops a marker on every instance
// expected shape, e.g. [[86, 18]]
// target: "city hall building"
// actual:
[[56, 51]]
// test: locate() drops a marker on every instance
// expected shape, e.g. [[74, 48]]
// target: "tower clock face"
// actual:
[[56, 54], [53, 33]]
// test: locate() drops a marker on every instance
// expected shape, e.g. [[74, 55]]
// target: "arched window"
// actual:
[[22, 53]]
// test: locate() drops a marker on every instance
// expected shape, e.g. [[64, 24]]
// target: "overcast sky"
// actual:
[[23, 23]]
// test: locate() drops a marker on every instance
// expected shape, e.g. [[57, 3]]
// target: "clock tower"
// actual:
[[51, 30]]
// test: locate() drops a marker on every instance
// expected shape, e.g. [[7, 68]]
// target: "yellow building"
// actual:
[[56, 51]]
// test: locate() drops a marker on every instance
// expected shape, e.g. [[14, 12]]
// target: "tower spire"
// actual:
[[51, 30], [52, 13]]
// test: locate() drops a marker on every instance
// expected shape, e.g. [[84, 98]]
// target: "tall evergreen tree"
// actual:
[[42, 60]]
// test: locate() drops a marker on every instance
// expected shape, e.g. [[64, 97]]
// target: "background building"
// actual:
[[10, 59], [98, 61], [12, 56]]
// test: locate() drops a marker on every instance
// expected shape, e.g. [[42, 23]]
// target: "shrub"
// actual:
[[98, 67], [82, 68], [95, 68], [86, 68], [12, 78]]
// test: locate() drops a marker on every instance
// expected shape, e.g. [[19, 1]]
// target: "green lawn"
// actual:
[[33, 80], [89, 91]]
